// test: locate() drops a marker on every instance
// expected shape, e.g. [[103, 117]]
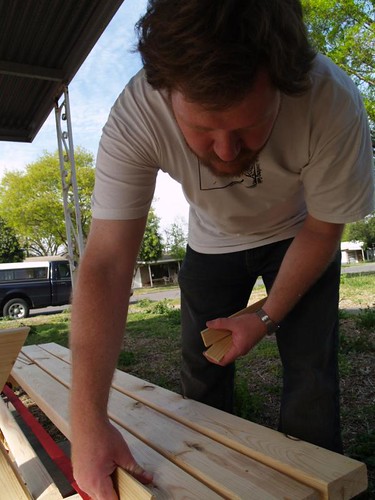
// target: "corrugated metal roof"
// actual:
[[42, 45]]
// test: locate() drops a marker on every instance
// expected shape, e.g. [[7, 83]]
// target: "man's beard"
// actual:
[[236, 168]]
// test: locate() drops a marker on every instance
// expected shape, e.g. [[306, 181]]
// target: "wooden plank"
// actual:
[[217, 350], [228, 472], [333, 475], [124, 482], [11, 483], [212, 335], [40, 358], [34, 474], [53, 398], [11, 341]]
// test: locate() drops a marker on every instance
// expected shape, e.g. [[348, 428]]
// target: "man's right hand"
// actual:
[[95, 457]]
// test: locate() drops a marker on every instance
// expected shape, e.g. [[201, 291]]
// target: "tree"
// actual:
[[176, 240], [152, 247], [10, 248], [344, 31], [363, 230], [31, 201]]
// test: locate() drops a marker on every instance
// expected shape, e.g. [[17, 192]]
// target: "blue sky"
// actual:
[[92, 92]]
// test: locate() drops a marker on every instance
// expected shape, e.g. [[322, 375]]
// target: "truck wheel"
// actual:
[[16, 309]]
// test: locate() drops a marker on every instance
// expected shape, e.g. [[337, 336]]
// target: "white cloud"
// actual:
[[169, 201], [92, 92]]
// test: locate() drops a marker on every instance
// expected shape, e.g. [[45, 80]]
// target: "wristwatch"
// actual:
[[271, 325]]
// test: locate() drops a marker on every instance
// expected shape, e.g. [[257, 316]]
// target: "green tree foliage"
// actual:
[[31, 201], [10, 248], [176, 240], [152, 246], [363, 230], [344, 30]]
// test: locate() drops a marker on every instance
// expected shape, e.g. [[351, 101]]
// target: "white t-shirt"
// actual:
[[317, 160]]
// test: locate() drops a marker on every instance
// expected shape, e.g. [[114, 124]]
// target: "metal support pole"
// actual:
[[72, 212]]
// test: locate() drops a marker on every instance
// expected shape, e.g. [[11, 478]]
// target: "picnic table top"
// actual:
[[194, 451]]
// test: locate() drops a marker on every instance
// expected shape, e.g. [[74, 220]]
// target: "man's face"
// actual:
[[229, 141]]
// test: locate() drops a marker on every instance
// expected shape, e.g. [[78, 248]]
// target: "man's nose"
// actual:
[[227, 146]]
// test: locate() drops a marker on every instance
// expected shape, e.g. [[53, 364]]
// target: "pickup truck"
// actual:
[[33, 284]]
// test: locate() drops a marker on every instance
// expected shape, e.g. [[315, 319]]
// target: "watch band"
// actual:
[[271, 325]]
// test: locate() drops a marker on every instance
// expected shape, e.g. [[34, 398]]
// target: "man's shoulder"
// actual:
[[325, 73], [139, 102], [139, 87], [138, 81]]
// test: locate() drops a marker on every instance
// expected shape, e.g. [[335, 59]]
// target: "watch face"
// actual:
[[263, 316]]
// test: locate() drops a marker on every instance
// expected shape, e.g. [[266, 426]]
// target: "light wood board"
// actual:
[[53, 399], [212, 335], [11, 483], [132, 400], [39, 482], [225, 471], [220, 341], [11, 341], [333, 475]]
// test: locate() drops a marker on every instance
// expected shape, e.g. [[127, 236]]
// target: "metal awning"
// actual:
[[42, 45]]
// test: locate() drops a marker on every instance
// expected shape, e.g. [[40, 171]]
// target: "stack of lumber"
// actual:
[[194, 451], [218, 341], [22, 474]]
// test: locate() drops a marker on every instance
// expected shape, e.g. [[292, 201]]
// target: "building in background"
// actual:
[[352, 252]]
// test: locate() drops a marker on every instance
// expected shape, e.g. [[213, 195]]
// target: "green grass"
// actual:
[[360, 343], [364, 447], [358, 290], [249, 406], [366, 318], [43, 328], [125, 360]]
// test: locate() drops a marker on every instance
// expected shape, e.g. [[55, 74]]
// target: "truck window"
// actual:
[[63, 270], [35, 273], [39, 273], [6, 275]]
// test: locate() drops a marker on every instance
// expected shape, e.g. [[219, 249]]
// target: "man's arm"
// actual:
[[308, 256], [100, 304]]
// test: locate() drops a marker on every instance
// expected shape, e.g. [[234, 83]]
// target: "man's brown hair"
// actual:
[[211, 50]]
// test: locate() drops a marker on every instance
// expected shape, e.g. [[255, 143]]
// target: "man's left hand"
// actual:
[[247, 330]]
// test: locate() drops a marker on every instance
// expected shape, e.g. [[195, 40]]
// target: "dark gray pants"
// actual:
[[219, 285]]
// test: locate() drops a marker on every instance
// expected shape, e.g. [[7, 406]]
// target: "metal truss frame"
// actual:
[[72, 212]]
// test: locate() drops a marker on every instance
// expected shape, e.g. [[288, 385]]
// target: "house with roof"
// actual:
[[352, 252], [161, 272]]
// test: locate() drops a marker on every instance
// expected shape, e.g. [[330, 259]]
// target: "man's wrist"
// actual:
[[271, 326]]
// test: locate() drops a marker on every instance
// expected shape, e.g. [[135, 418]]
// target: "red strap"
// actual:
[[53, 450]]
